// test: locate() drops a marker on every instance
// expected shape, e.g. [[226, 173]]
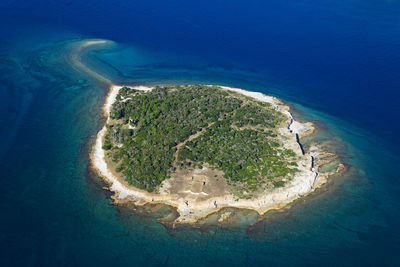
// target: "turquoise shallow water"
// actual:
[[54, 211], [59, 212]]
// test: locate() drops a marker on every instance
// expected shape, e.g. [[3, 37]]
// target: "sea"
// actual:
[[337, 63]]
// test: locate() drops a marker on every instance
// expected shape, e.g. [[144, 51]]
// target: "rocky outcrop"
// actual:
[[189, 206]]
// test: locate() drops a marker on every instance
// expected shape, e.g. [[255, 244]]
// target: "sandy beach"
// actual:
[[189, 207]]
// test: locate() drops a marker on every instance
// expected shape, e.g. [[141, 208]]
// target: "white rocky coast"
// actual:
[[193, 206]]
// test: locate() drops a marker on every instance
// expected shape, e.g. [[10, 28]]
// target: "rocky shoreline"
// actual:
[[189, 208]]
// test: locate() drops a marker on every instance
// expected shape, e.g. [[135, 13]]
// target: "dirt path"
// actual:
[[190, 138]]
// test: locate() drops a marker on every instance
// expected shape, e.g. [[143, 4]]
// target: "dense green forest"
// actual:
[[208, 125]]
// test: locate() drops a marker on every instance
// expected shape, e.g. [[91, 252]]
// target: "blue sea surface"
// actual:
[[333, 61]]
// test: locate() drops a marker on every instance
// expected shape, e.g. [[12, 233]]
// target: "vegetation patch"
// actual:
[[153, 134]]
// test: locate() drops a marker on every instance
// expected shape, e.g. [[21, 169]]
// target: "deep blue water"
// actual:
[[337, 62]]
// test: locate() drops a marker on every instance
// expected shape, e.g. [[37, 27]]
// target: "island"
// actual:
[[200, 148]]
